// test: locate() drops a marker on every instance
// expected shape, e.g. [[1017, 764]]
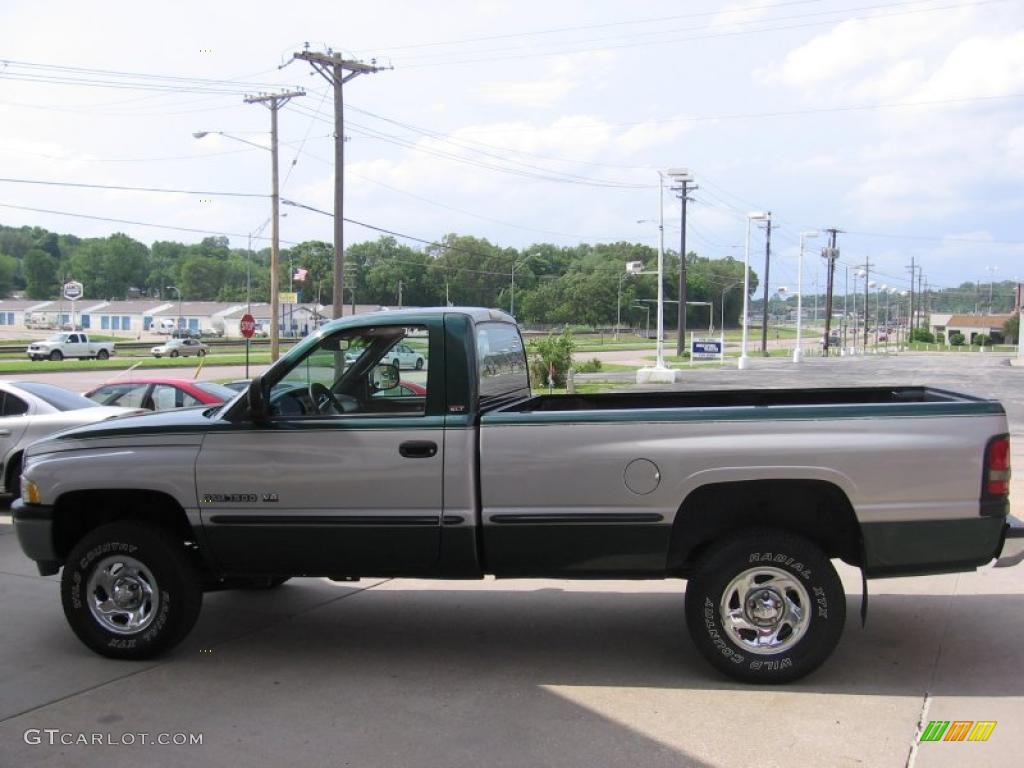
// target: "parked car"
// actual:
[[180, 348], [238, 385], [187, 333], [30, 410], [400, 355], [159, 394], [62, 345]]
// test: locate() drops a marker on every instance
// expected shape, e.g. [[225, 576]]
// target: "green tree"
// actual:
[[40, 270], [201, 277], [8, 272], [108, 267], [551, 357], [1011, 329]]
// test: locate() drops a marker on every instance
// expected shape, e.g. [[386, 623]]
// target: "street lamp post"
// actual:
[[744, 361], [646, 308], [275, 338], [175, 288], [798, 353], [661, 373]]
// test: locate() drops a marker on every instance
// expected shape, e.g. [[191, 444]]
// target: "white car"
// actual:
[[31, 410], [404, 356], [180, 348]]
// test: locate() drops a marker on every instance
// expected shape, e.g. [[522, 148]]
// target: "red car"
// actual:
[[161, 394]]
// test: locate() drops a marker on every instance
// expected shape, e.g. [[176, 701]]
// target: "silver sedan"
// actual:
[[31, 410]]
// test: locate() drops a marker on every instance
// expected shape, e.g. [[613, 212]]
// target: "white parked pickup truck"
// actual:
[[329, 466], [62, 345]]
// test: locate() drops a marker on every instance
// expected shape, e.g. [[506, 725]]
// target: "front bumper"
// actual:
[[1013, 544], [33, 525]]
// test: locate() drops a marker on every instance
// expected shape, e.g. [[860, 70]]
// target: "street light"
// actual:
[[661, 373], [275, 247], [646, 308], [798, 353], [744, 361], [725, 290], [175, 288]]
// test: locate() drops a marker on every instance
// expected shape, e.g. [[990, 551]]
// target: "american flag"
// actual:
[[300, 274]]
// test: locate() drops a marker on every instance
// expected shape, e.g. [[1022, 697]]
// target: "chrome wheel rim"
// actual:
[[765, 610], [122, 595]]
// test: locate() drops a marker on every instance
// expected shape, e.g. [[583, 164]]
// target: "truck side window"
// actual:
[[342, 375]]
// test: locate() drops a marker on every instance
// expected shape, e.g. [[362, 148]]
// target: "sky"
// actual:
[[900, 123]]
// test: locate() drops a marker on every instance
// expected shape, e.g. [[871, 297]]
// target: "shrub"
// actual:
[[957, 340], [923, 335], [591, 366], [940, 338], [551, 355], [982, 340]]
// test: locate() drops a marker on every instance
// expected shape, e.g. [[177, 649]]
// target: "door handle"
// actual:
[[418, 449]]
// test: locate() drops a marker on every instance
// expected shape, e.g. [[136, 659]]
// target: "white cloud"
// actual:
[[534, 93], [739, 13]]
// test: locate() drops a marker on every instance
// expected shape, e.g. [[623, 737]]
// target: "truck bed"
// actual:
[[947, 402]]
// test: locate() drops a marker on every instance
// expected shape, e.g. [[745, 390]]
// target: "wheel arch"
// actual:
[[76, 513], [816, 509]]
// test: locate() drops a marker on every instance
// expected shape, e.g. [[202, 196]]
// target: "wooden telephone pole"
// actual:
[[338, 71], [274, 101]]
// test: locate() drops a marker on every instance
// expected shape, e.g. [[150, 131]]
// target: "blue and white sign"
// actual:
[[705, 349]]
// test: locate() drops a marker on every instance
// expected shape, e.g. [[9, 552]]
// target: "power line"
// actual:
[[676, 40], [83, 185]]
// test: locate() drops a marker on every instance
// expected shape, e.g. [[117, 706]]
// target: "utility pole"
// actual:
[[831, 253], [920, 283], [399, 294], [911, 269], [867, 284], [274, 101], [338, 71], [767, 262], [685, 187]]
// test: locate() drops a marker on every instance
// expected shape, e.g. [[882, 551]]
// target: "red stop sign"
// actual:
[[247, 325]]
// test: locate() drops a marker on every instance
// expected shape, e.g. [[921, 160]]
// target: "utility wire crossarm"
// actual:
[[338, 71]]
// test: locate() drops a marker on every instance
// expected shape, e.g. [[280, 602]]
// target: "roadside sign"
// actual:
[[705, 349], [247, 325], [288, 297], [73, 290]]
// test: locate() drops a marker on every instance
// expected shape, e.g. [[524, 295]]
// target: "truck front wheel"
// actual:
[[765, 606], [130, 591], [56, 355]]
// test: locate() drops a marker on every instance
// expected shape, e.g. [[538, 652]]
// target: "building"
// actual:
[[970, 326]]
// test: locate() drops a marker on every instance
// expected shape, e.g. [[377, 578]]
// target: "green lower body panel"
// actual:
[[930, 546]]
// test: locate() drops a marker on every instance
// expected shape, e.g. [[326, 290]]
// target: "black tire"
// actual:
[[56, 355], [177, 589], [201, 353], [102, 354], [800, 575], [419, 363], [397, 363], [174, 353]]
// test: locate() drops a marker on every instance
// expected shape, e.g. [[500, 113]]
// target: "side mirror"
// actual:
[[383, 376], [258, 408]]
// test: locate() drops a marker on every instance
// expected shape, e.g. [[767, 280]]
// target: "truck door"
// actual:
[[345, 476]]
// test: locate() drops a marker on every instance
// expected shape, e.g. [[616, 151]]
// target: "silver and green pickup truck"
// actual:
[[337, 464]]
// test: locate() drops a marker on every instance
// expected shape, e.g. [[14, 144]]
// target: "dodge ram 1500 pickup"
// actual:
[[330, 466]]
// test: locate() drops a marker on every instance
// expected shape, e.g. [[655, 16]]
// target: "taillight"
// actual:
[[997, 467]]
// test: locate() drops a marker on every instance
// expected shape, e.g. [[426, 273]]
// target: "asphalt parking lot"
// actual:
[[400, 672]]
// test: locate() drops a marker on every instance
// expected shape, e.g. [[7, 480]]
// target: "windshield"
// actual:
[[61, 399]]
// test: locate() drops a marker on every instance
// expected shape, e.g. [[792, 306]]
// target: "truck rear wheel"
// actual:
[[102, 354], [765, 606], [130, 591]]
